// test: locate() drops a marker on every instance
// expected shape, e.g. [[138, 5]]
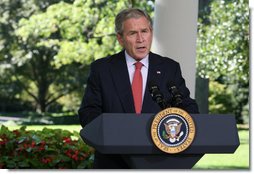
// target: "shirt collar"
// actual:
[[131, 61]]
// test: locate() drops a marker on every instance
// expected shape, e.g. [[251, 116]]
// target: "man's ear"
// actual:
[[120, 39]]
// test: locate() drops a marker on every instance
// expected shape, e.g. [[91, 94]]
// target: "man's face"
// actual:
[[136, 38]]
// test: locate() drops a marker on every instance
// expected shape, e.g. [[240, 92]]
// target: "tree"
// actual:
[[223, 48], [11, 12], [55, 47]]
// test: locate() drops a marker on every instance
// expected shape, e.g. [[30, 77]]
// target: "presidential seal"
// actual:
[[173, 130]]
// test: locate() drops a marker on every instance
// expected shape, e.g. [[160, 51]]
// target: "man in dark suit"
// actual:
[[110, 86]]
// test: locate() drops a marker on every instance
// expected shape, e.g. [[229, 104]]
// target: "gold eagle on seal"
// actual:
[[173, 128]]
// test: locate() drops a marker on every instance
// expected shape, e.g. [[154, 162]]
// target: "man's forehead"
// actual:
[[140, 19], [133, 24]]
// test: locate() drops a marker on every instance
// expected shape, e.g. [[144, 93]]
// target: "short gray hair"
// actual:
[[127, 14]]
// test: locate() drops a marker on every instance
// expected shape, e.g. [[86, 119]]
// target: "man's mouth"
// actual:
[[141, 48]]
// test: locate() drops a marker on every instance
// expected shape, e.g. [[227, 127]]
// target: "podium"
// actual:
[[129, 135]]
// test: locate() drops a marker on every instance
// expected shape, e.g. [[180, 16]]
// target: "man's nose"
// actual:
[[140, 37]]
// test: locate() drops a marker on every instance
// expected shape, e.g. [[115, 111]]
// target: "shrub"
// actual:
[[220, 98], [45, 149]]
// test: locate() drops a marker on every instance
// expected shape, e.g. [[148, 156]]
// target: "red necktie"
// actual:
[[137, 87]]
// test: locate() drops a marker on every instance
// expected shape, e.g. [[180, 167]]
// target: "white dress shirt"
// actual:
[[144, 70]]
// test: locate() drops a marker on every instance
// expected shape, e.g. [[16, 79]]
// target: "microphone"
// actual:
[[176, 95], [157, 96]]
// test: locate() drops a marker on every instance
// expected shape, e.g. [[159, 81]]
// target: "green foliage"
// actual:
[[224, 41], [54, 44], [83, 31], [220, 98], [223, 50], [15, 79], [45, 149]]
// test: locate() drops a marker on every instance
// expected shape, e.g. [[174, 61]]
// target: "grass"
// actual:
[[239, 160]]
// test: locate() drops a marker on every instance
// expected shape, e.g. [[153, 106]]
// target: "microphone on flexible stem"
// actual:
[[176, 95], [157, 96]]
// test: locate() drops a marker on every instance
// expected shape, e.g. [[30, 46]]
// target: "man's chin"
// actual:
[[140, 56]]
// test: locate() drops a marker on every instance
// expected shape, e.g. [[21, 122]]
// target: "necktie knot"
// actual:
[[138, 65]]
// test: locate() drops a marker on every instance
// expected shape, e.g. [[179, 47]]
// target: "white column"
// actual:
[[175, 34]]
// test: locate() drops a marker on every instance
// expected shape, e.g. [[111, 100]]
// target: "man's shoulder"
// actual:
[[105, 60], [100, 61], [163, 59]]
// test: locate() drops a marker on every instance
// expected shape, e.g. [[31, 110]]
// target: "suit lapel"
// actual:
[[121, 80], [155, 75], [122, 83]]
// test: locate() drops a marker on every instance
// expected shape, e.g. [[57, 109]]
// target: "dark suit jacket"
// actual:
[[109, 88]]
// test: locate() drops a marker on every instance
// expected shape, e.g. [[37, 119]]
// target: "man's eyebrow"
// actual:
[[132, 31], [145, 29]]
